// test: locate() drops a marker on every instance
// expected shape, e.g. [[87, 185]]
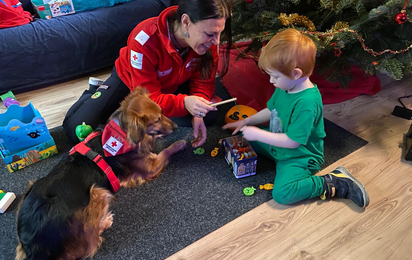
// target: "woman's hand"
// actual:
[[198, 106], [199, 132], [237, 125]]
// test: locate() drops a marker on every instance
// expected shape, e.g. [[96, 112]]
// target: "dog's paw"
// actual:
[[178, 146], [106, 222]]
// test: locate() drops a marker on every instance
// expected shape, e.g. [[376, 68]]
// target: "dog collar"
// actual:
[[84, 150], [114, 139]]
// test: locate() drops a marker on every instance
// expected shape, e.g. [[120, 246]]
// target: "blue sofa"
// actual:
[[46, 52]]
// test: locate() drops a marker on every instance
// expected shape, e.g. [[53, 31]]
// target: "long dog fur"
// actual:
[[62, 215]]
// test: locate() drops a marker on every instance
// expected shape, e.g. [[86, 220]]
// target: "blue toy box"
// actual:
[[240, 156], [24, 137]]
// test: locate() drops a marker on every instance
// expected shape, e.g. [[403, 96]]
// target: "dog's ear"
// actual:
[[131, 117], [136, 130], [141, 91], [131, 125]]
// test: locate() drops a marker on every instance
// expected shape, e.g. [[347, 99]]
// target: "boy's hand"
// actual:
[[251, 133], [237, 125]]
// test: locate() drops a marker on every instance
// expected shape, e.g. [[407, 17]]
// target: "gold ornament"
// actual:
[[335, 28], [297, 19], [339, 25]]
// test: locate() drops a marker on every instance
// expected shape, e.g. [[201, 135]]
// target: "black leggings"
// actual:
[[94, 107]]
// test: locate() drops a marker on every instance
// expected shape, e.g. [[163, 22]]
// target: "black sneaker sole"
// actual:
[[358, 183]]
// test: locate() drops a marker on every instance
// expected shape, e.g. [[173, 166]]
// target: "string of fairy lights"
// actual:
[[330, 34], [361, 40]]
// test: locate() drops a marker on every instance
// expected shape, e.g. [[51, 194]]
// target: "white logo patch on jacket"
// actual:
[[136, 59], [142, 37], [164, 73]]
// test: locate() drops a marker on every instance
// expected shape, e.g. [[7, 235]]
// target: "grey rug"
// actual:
[[196, 195]]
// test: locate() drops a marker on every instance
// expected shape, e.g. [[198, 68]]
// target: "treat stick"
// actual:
[[223, 102]]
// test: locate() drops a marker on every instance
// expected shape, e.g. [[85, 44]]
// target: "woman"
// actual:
[[175, 57]]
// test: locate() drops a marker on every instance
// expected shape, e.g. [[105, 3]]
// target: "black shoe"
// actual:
[[342, 184], [94, 84]]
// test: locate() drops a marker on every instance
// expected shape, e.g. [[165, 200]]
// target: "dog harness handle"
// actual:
[[84, 150]]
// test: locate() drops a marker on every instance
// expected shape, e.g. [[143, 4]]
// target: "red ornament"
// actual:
[[338, 52], [401, 17], [249, 1]]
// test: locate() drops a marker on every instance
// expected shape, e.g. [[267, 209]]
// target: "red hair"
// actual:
[[287, 50]]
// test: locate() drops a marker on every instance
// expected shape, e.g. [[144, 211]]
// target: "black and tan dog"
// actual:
[[63, 214]]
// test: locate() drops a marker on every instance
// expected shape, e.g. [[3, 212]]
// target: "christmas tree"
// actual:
[[375, 35]]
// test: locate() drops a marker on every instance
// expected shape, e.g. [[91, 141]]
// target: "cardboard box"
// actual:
[[240, 156], [46, 9], [24, 137]]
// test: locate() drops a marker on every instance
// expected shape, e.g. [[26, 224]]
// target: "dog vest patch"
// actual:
[[114, 140]]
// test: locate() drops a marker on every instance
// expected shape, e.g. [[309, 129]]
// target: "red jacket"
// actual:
[[150, 60]]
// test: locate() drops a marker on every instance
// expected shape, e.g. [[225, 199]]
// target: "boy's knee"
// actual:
[[282, 195]]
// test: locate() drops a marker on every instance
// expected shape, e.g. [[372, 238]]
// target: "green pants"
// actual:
[[295, 179]]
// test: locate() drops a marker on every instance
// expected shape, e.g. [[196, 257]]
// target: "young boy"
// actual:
[[294, 137]]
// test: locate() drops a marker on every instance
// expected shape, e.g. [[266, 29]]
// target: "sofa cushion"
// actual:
[[45, 52], [169, 2]]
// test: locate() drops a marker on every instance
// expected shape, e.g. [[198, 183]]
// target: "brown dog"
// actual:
[[63, 214]]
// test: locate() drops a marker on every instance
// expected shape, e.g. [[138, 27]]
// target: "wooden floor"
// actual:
[[334, 229]]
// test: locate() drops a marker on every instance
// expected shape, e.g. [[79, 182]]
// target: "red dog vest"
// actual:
[[83, 149]]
